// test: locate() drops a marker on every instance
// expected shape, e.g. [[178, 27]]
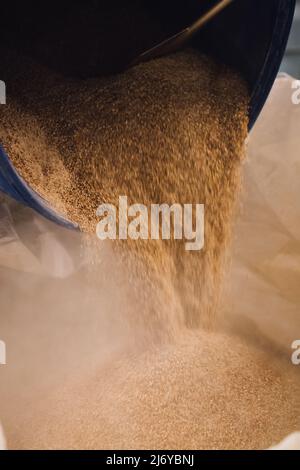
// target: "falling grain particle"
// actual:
[[171, 130]]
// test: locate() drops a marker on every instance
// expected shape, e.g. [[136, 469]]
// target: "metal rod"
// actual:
[[175, 42]]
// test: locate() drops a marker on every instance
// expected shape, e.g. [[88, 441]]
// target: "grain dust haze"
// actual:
[[162, 375]]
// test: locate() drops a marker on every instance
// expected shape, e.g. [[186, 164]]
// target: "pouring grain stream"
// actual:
[[167, 131], [171, 130]]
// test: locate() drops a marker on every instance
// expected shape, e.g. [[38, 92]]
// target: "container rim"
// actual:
[[14, 185], [273, 59]]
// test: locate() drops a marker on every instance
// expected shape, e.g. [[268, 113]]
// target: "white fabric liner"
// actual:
[[265, 261]]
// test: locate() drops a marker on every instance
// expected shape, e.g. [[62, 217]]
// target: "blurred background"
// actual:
[[291, 62]]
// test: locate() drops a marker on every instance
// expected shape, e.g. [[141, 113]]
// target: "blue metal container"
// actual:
[[251, 36], [13, 184]]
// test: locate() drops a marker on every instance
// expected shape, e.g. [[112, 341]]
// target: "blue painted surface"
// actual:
[[13, 184], [278, 43]]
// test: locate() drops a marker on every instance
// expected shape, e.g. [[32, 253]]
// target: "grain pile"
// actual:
[[171, 130], [167, 131], [205, 391]]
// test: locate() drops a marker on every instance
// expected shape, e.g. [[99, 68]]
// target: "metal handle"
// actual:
[[175, 42]]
